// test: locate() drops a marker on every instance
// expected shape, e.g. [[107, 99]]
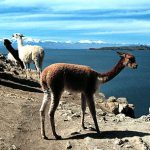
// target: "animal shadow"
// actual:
[[110, 135], [106, 135]]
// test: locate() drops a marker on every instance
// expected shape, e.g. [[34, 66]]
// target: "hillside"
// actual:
[[129, 48], [20, 101]]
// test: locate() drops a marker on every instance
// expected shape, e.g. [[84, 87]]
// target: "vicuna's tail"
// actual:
[[43, 82]]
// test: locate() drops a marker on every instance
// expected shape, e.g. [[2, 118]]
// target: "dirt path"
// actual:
[[20, 125]]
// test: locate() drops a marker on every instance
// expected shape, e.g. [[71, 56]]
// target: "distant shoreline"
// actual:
[[129, 48]]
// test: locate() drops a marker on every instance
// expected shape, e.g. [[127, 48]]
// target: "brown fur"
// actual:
[[70, 77], [78, 78]]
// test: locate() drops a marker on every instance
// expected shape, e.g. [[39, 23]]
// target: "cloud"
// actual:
[[91, 41], [75, 19], [78, 4], [119, 32]]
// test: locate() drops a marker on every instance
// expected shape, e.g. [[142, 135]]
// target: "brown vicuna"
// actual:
[[77, 78]]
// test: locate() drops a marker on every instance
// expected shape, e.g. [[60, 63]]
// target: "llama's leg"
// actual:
[[83, 108], [37, 66], [29, 67], [91, 105], [53, 106], [46, 97], [41, 63], [25, 68]]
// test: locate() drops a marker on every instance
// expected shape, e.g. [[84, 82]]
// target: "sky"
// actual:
[[108, 21]]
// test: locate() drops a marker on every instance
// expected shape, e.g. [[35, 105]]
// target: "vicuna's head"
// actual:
[[128, 60], [17, 35]]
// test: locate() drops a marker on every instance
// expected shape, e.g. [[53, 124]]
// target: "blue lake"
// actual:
[[132, 84]]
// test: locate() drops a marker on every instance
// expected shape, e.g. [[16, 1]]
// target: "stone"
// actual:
[[118, 142], [75, 115], [122, 100], [14, 147], [128, 146], [111, 99], [100, 97], [121, 117], [62, 103], [149, 110], [68, 145], [138, 141], [145, 118]]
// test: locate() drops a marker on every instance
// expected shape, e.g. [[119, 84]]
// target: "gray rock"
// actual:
[[68, 145], [120, 117], [118, 141], [128, 146], [122, 100], [112, 99], [75, 115], [138, 141], [14, 147]]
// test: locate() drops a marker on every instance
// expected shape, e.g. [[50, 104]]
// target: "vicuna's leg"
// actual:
[[91, 104], [83, 108], [42, 112], [55, 97]]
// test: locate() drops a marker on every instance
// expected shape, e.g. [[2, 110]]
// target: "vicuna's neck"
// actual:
[[114, 72], [20, 43]]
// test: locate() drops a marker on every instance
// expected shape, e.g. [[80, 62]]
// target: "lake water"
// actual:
[[132, 84]]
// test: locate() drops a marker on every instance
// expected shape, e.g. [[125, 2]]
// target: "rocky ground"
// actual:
[[20, 101]]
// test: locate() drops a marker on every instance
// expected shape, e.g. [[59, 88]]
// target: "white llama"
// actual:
[[29, 53]]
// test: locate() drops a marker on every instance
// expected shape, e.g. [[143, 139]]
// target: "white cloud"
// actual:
[[78, 4], [91, 41], [68, 42], [26, 3], [85, 41], [119, 32], [59, 21]]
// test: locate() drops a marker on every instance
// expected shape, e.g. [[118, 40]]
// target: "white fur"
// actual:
[[30, 53]]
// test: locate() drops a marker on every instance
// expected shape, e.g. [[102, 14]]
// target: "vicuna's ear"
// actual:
[[121, 54]]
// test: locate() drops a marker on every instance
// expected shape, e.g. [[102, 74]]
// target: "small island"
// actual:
[[129, 48]]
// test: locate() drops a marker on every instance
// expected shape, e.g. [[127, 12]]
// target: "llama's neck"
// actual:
[[20, 43], [114, 72]]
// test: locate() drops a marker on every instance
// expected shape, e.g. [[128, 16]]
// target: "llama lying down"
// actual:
[[76, 78]]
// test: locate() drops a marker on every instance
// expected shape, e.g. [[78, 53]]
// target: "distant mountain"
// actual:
[[50, 44], [82, 44]]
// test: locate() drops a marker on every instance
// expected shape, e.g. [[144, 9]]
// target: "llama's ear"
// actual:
[[121, 54], [22, 35]]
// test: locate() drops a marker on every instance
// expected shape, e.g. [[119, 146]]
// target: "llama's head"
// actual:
[[128, 60], [17, 35]]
